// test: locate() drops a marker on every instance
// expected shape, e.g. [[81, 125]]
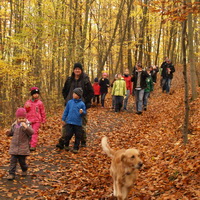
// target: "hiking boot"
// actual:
[[11, 177], [66, 148], [24, 173], [60, 146], [138, 113], [32, 149], [75, 151], [145, 109], [83, 145]]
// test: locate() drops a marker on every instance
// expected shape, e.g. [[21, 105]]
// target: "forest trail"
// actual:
[[171, 170]]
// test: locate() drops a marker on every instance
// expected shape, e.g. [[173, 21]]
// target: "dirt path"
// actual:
[[55, 174]]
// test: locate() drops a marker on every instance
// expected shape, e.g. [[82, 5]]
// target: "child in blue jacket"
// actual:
[[72, 116]]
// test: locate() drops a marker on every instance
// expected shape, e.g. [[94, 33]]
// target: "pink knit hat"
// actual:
[[21, 112], [104, 74], [34, 90]]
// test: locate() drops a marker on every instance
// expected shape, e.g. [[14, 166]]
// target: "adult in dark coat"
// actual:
[[139, 84], [167, 75], [78, 79]]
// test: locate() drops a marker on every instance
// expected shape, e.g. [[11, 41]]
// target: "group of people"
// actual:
[[78, 93]]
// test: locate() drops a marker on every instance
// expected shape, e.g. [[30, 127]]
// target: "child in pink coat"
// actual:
[[35, 114]]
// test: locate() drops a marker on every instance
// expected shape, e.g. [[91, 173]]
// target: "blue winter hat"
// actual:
[[96, 79]]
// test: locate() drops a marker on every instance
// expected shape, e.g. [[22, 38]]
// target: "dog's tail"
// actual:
[[106, 148]]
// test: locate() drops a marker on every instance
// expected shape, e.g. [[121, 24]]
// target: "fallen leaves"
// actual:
[[171, 170]]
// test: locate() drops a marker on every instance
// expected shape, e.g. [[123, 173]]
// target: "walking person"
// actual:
[[113, 97], [21, 133], [72, 117], [96, 88], [161, 68], [167, 75], [78, 79], [35, 114], [148, 89], [139, 84], [104, 85], [127, 78], [154, 70], [119, 91]]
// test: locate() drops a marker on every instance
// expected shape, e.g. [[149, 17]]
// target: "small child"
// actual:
[[96, 88], [119, 91], [113, 97], [104, 85], [72, 116], [35, 114], [148, 89], [19, 148]]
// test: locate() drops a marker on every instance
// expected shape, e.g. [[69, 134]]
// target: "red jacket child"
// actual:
[[96, 87]]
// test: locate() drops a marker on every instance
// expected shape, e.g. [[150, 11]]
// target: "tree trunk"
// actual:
[[186, 117], [158, 43], [112, 38], [130, 65], [123, 32], [142, 32], [38, 54], [191, 55]]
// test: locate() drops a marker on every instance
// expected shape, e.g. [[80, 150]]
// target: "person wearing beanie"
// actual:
[[104, 85], [21, 133], [78, 91], [79, 66], [127, 78], [96, 88], [119, 91], [35, 90], [35, 114], [77, 79], [72, 119]]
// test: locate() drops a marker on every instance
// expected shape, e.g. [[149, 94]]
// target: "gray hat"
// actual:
[[78, 91]]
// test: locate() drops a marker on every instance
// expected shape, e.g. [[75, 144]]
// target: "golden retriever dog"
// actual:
[[124, 168]]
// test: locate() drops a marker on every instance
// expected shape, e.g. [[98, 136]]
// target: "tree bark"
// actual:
[[142, 32], [191, 54], [112, 38], [158, 43], [186, 101]]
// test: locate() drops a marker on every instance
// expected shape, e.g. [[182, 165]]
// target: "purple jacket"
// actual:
[[35, 111], [20, 139]]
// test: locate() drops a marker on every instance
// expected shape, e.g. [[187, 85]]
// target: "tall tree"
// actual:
[[186, 101], [191, 52], [104, 59]]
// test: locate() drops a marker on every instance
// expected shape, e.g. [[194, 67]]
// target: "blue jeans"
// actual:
[[139, 94], [166, 84], [126, 99], [145, 99]]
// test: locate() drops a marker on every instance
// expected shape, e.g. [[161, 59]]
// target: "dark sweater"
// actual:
[[104, 84], [143, 77]]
